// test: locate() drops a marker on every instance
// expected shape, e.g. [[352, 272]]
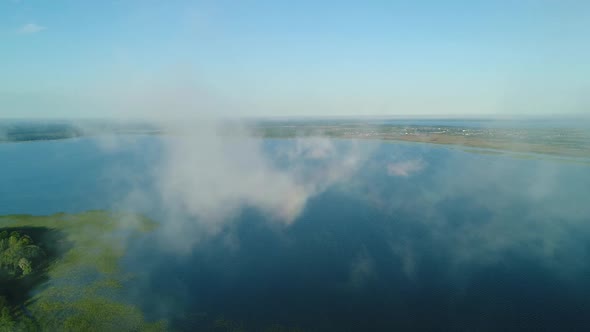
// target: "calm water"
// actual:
[[420, 237]]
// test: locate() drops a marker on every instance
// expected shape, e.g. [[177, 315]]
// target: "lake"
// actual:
[[402, 236]]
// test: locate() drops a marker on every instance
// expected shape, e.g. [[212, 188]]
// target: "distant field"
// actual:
[[551, 141]]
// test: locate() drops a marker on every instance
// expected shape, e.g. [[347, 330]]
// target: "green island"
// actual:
[[61, 273]]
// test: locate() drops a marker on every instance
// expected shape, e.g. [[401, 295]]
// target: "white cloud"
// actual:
[[30, 28]]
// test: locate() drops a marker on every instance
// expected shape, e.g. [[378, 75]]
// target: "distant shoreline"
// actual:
[[558, 142]]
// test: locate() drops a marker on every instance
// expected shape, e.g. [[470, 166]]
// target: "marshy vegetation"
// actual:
[[61, 273]]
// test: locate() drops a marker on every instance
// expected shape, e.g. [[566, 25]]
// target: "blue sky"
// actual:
[[294, 58]]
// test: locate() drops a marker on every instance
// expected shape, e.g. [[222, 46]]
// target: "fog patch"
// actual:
[[210, 168], [405, 168], [313, 148], [208, 171], [205, 179], [362, 270], [407, 257]]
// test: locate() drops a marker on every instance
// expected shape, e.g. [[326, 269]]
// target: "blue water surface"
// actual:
[[463, 242]]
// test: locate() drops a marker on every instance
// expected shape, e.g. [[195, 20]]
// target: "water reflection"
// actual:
[[462, 242], [412, 237]]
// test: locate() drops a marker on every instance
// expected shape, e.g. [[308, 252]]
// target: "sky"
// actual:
[[89, 59]]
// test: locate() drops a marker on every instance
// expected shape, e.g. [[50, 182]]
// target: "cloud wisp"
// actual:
[[31, 28], [405, 168]]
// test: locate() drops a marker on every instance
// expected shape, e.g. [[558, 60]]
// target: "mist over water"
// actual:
[[276, 166], [329, 234]]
